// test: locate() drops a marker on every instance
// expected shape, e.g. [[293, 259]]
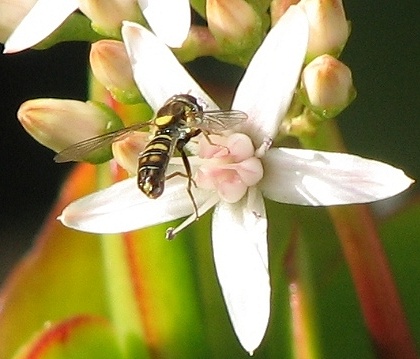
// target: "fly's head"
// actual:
[[184, 109]]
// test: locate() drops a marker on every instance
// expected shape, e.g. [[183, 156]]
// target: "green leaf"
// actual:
[[78, 337], [61, 276], [333, 319], [162, 278]]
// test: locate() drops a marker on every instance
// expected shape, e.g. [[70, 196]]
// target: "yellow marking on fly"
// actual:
[[163, 120], [154, 158], [158, 146], [142, 160], [147, 187]]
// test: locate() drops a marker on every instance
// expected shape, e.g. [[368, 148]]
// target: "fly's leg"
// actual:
[[206, 135], [187, 175]]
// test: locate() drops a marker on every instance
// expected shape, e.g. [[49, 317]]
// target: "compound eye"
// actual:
[[177, 108]]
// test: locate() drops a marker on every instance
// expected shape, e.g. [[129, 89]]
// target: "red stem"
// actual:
[[374, 284], [375, 287]]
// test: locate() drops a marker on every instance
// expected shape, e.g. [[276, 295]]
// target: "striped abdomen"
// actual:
[[153, 162]]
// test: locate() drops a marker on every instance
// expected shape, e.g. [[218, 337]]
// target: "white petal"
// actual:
[[269, 83], [169, 19], [41, 21], [240, 255], [156, 70], [123, 207], [203, 208], [12, 13], [319, 178]]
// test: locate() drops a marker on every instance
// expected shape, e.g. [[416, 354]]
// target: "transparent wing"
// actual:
[[79, 151], [220, 120]]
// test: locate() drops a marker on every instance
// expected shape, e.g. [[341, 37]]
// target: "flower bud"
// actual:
[[278, 8], [111, 66], [107, 15], [12, 13], [126, 152], [327, 86], [58, 124], [235, 25], [329, 29]]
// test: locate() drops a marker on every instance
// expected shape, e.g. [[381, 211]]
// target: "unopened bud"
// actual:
[[107, 15], [200, 42], [329, 29], [111, 66], [58, 124], [278, 8], [235, 25], [327, 86]]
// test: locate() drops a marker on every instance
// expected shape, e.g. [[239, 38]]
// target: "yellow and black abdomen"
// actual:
[[153, 162]]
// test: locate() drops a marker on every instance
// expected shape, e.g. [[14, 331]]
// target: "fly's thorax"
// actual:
[[164, 121], [174, 127], [185, 135], [180, 104], [180, 110]]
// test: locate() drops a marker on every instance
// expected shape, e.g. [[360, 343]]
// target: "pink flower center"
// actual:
[[231, 167]]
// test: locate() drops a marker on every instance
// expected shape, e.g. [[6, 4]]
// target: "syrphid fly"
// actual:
[[177, 121]]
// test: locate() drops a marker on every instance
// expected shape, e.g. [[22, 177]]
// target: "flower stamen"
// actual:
[[228, 172]]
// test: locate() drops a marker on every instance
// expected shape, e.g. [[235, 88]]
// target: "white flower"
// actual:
[[170, 20], [235, 181], [41, 21], [12, 13]]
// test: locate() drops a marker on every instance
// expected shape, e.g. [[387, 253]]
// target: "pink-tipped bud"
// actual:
[[58, 124], [278, 8], [111, 66], [126, 152], [327, 86], [107, 15], [234, 24], [329, 29]]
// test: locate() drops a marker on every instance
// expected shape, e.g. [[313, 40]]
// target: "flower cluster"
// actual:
[[46, 16], [232, 171]]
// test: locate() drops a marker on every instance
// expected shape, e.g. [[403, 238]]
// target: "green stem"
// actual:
[[124, 309], [368, 264], [302, 316]]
